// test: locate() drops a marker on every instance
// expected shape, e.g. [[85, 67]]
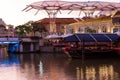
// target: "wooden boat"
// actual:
[[90, 45], [117, 48]]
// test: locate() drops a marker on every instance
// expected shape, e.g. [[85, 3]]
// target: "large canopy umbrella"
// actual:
[[55, 6]]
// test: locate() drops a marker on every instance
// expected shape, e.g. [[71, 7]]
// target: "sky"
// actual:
[[11, 11]]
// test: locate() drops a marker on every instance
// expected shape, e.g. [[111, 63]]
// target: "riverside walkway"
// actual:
[[20, 44]]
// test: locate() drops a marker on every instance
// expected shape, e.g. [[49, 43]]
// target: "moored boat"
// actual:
[[117, 48], [91, 45]]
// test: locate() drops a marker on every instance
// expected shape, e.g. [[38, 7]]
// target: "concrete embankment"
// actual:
[[46, 49]]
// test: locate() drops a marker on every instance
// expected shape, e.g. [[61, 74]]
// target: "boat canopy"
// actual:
[[97, 37]]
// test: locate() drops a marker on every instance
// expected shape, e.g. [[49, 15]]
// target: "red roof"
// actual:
[[117, 14], [60, 20]]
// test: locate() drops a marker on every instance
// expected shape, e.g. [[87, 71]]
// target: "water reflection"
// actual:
[[42, 66], [103, 72], [7, 59], [96, 69]]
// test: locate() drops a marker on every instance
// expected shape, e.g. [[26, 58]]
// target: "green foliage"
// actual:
[[24, 29], [89, 30], [38, 27]]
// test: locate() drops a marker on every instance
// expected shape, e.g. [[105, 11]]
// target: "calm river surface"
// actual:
[[55, 66]]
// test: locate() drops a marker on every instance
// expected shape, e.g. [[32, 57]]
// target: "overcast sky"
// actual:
[[11, 11]]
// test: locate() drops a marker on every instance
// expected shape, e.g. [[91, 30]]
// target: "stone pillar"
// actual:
[[83, 29], [99, 30], [41, 43], [31, 47], [21, 48], [37, 47], [17, 49], [76, 28]]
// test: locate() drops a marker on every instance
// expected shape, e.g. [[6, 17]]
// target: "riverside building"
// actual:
[[6, 30], [101, 24]]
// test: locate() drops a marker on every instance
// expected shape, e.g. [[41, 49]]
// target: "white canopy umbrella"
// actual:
[[118, 33], [53, 36], [56, 6], [65, 35]]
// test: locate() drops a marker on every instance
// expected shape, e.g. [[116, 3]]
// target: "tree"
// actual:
[[89, 30], [28, 27], [38, 27], [22, 30]]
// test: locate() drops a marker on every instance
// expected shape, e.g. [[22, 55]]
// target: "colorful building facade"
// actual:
[[59, 24], [101, 24], [6, 30]]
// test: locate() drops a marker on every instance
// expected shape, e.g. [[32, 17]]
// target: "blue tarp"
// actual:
[[101, 38], [71, 38], [113, 37], [85, 37], [92, 38]]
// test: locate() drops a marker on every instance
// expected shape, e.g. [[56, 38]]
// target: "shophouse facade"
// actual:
[[60, 24], [101, 24], [6, 30]]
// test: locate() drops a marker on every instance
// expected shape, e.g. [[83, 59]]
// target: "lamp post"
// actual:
[[7, 27]]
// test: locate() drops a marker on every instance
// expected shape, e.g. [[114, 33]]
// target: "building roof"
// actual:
[[95, 19], [2, 22], [117, 14], [60, 20]]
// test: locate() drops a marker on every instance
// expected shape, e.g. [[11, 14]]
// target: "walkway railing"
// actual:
[[9, 39], [15, 39]]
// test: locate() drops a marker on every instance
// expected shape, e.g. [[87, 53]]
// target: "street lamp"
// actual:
[[7, 27]]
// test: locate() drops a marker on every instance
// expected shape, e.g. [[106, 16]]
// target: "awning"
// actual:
[[92, 38]]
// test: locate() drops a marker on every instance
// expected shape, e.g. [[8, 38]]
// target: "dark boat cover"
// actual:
[[92, 37]]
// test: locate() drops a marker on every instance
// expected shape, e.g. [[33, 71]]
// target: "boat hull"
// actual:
[[117, 50], [92, 54]]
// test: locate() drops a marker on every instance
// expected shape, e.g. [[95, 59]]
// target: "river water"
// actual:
[[56, 66]]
